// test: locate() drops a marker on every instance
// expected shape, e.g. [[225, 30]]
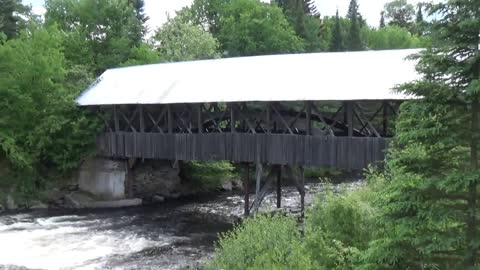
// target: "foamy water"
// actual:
[[167, 236]]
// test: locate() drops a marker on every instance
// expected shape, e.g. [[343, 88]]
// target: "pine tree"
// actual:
[[430, 207], [419, 21], [419, 18], [382, 19], [139, 8], [354, 40], [10, 20], [336, 44]]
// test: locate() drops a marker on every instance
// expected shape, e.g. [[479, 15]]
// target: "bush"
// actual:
[[321, 173], [262, 243], [338, 228], [209, 174]]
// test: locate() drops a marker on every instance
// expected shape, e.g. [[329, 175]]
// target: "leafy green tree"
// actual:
[[400, 13], [206, 13], [143, 54], [12, 14], [354, 41], [250, 27], [180, 41], [98, 40], [391, 37], [337, 43], [430, 205], [40, 126]]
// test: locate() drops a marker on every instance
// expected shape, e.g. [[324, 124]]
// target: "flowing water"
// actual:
[[173, 235]]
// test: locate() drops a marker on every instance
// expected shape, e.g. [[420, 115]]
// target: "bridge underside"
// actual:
[[346, 135]]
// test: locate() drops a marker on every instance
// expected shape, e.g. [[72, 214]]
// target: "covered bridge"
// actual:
[[319, 109]]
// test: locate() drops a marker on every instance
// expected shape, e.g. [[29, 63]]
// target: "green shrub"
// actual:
[[338, 228], [209, 174], [321, 173], [265, 242]]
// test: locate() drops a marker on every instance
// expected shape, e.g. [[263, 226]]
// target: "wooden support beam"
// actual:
[[309, 118], [199, 118], [385, 119], [282, 119], [115, 119], [232, 118], [279, 186], [268, 118], [169, 119], [302, 191], [348, 107], [246, 190], [141, 117], [320, 116], [263, 191], [371, 128], [258, 179]]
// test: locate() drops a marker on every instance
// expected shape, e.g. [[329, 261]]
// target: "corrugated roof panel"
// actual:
[[368, 75]]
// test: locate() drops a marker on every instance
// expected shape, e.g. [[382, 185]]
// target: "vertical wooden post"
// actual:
[[302, 191], [349, 117], [309, 116], [232, 118], [115, 119], [199, 118], [169, 118], [279, 186], [142, 120], [246, 187], [385, 118], [268, 120], [258, 178]]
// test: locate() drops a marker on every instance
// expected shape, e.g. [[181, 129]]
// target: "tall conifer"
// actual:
[[431, 204]]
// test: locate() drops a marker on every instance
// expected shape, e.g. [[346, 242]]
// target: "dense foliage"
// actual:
[[39, 124], [421, 211]]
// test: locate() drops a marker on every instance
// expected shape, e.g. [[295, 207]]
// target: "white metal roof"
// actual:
[[368, 75]]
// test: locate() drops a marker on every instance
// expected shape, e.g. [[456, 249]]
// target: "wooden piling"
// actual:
[[246, 187], [279, 186]]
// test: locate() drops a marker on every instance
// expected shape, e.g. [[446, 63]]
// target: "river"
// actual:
[[173, 235]]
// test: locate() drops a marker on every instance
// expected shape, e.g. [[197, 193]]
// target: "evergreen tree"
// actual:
[[419, 21], [336, 44], [382, 19], [354, 39], [419, 18], [11, 21], [430, 208], [139, 8], [305, 19]]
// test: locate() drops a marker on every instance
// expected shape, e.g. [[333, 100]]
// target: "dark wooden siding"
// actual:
[[340, 152]]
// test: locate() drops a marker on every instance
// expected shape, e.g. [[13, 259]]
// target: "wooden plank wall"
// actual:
[[330, 151]]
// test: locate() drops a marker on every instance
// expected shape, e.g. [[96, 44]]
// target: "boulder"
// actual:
[[2, 209], [227, 186], [38, 206], [72, 202], [10, 203], [158, 199]]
